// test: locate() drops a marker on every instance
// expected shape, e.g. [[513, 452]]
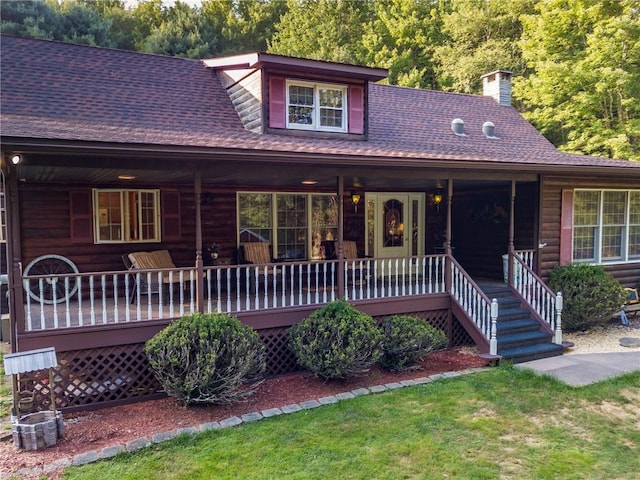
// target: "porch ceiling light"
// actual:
[[126, 177], [309, 181]]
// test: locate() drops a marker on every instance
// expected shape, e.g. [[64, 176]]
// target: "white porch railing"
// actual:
[[541, 298], [101, 298], [527, 256], [480, 309]]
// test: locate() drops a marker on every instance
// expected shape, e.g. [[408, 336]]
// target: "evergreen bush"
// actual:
[[207, 359], [336, 341], [591, 296], [406, 340]]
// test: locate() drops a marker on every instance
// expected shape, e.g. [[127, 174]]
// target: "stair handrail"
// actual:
[[544, 301], [482, 310]]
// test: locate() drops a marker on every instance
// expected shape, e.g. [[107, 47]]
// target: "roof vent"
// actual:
[[457, 125], [489, 130]]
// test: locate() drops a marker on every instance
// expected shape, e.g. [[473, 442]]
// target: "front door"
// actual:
[[395, 224]]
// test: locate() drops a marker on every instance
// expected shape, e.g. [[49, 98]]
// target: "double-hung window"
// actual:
[[316, 106], [606, 225], [122, 216]]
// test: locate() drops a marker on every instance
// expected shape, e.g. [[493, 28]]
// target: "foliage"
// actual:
[[402, 36], [459, 427], [207, 359], [584, 92], [480, 36], [591, 296], [336, 341], [406, 340], [321, 29]]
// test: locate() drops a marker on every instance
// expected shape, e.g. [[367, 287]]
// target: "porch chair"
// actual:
[[350, 252], [258, 253], [157, 259]]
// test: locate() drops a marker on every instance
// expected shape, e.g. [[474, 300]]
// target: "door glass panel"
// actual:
[[393, 223]]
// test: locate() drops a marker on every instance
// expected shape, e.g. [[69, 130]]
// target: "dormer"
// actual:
[[286, 95]]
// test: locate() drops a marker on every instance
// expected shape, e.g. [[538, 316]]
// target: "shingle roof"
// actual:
[[58, 91]]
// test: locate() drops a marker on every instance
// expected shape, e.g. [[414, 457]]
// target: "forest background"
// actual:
[[576, 63]]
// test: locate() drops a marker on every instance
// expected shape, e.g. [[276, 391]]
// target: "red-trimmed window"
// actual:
[[316, 106], [606, 225]]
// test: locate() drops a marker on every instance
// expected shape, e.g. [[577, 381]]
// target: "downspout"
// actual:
[[512, 216], [197, 181], [340, 250]]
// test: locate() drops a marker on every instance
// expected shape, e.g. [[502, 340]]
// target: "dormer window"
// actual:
[[316, 106]]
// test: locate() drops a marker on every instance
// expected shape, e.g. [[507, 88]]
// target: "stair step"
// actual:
[[506, 327], [512, 313], [531, 352], [523, 338]]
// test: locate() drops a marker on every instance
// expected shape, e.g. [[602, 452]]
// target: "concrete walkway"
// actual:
[[585, 369]]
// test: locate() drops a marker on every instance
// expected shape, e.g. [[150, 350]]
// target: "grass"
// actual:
[[500, 424], [6, 400]]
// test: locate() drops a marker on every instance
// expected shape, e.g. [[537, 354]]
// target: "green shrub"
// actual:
[[207, 359], [336, 341], [591, 296], [406, 340]]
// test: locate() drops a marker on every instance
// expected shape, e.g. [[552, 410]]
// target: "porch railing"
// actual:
[[527, 256], [100, 298], [546, 303], [478, 307]]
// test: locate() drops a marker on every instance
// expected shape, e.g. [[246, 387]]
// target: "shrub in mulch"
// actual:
[[207, 359], [407, 340]]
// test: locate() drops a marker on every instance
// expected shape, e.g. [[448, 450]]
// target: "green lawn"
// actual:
[[500, 424], [6, 401]]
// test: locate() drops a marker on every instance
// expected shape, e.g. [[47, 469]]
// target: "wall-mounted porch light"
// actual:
[[355, 199], [16, 159]]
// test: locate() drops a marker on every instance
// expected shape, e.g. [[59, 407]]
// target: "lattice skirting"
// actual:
[[120, 374]]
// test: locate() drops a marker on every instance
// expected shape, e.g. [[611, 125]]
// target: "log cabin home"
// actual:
[[121, 170]]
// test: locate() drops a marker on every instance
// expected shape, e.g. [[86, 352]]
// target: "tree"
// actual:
[[181, 33], [584, 94], [242, 25], [481, 36], [328, 30], [402, 36]]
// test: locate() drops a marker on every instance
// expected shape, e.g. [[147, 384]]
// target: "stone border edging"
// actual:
[[144, 442]]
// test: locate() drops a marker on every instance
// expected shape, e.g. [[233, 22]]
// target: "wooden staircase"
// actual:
[[521, 337]]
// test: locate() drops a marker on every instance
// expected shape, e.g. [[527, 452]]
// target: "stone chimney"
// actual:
[[498, 85]]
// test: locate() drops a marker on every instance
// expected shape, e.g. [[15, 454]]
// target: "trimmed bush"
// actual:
[[207, 359], [336, 341], [406, 340], [591, 296]]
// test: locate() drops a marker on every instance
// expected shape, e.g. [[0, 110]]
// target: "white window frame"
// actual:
[[127, 236], [598, 229], [315, 124], [274, 227]]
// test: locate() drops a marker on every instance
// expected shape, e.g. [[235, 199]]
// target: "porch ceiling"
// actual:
[[247, 173]]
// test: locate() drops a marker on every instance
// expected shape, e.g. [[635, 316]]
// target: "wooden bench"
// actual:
[[155, 260]]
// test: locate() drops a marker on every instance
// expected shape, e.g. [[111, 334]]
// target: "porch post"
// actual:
[[448, 246], [197, 180], [339, 249], [511, 232], [14, 263]]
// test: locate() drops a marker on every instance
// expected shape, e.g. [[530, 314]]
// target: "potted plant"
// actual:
[[214, 250]]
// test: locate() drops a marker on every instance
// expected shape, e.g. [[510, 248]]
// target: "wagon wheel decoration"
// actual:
[[51, 289]]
